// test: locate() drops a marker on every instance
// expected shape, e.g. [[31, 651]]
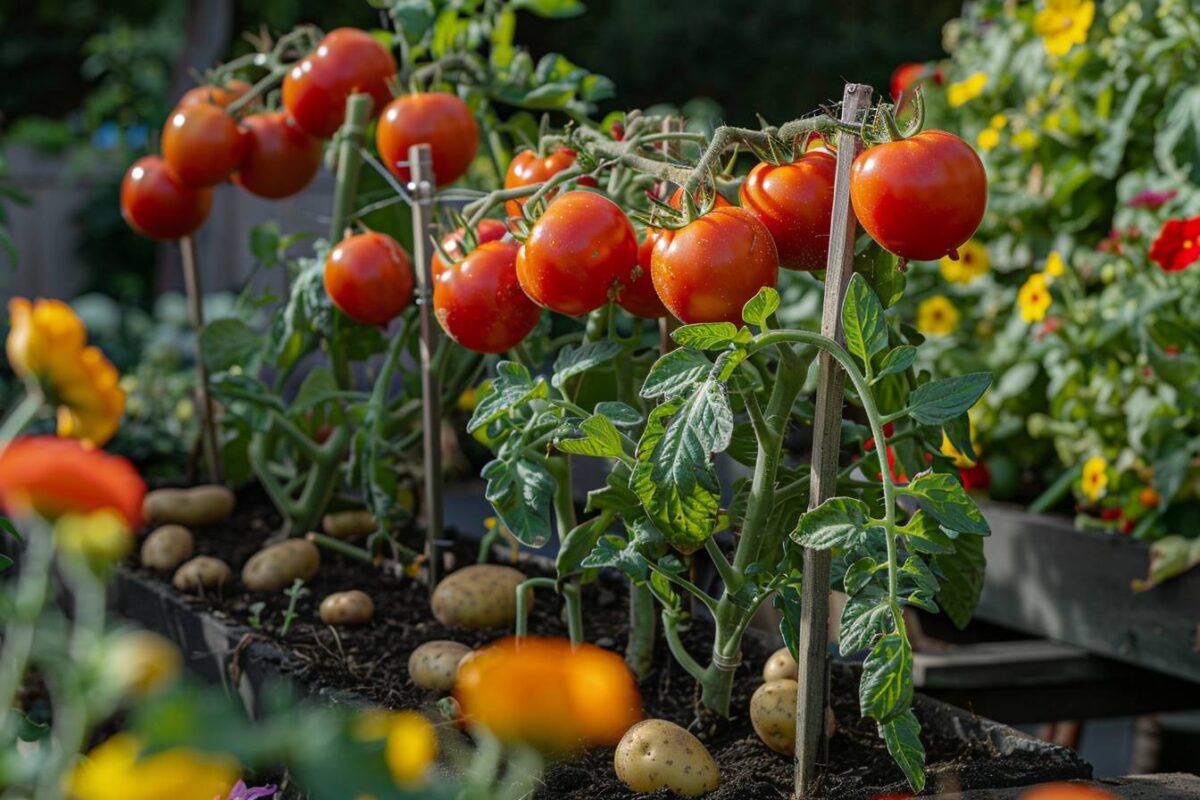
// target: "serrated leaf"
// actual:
[[923, 534], [615, 495], [521, 491], [865, 616], [897, 360], [576, 359], [859, 574], [706, 335], [228, 343], [743, 446], [576, 546], [886, 688], [597, 436], [903, 738], [941, 496], [675, 373], [862, 320], [620, 414], [838, 522], [512, 387], [941, 401], [962, 581], [758, 309]]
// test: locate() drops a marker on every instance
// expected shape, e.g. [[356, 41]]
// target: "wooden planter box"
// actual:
[[1049, 580]]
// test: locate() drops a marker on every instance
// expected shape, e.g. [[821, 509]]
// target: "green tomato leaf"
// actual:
[[937, 402], [958, 431], [520, 490], [897, 360], [706, 335], [1169, 556], [923, 534], [575, 547], [838, 522], [512, 387], [881, 270], [228, 343], [675, 373], [576, 359], [866, 615], [619, 414], [943, 497], [903, 738], [886, 689], [859, 574], [862, 320], [596, 436], [759, 308], [551, 9], [962, 581]]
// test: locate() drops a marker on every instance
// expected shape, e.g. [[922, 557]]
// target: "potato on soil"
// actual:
[[434, 665], [773, 714], [199, 505], [202, 572], [349, 524], [656, 753], [276, 566], [347, 608], [167, 547], [780, 665], [480, 596]]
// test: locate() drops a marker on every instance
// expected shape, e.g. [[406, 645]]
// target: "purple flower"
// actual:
[[240, 792], [1148, 198]]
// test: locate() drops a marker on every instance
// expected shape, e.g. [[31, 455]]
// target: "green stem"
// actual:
[[24, 413], [1056, 491], [338, 546], [571, 595], [20, 628], [678, 649], [732, 578], [351, 137], [639, 652], [525, 593]]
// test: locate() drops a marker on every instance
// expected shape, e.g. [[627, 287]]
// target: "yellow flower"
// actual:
[[46, 345], [185, 409], [1054, 265], [1052, 123], [101, 537], [1095, 477], [1034, 298], [966, 90], [411, 742], [937, 316], [1062, 24], [987, 139], [998, 121], [1025, 140], [114, 770], [950, 451], [973, 262], [141, 662]]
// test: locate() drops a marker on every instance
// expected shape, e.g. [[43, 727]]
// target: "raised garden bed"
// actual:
[[368, 665], [1047, 579]]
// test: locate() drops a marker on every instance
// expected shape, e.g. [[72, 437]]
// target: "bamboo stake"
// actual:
[[208, 421], [813, 691], [668, 323], [421, 188]]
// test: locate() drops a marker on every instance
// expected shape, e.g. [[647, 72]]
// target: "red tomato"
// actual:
[[639, 297], [203, 144], [707, 270], [578, 252], [369, 277], [440, 120], [347, 61], [216, 95], [158, 205], [920, 197], [795, 202], [1066, 791], [906, 76], [526, 169], [479, 302], [280, 158], [489, 230]]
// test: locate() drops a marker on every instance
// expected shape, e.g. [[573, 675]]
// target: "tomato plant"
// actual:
[[157, 204], [707, 270], [369, 277], [280, 159], [488, 230], [529, 168], [795, 202], [203, 144], [578, 253], [442, 121], [345, 61], [921, 197], [479, 302]]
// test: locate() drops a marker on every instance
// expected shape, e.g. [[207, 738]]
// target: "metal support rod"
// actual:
[[420, 164], [208, 419], [813, 690]]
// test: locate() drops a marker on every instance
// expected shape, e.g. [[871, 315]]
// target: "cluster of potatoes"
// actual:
[[171, 546]]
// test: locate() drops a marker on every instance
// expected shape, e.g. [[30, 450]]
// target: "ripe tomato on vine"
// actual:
[[280, 159], [639, 296], [203, 144], [528, 168], [158, 205], [440, 120], [795, 202], [369, 277], [346, 61], [479, 301], [488, 230]]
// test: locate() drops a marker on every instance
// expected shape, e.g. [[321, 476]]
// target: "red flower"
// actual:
[[910, 75], [1148, 198], [976, 477], [54, 476], [1177, 245]]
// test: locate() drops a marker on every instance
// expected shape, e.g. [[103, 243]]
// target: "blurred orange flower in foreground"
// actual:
[[53, 477], [46, 344], [548, 694], [118, 768], [1067, 791]]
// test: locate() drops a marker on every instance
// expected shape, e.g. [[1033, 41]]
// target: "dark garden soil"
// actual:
[[372, 662]]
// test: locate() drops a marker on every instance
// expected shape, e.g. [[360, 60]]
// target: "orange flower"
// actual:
[[46, 345], [545, 693], [1067, 791], [53, 476]]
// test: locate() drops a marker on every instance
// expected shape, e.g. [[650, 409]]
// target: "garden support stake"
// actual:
[[208, 420], [813, 690]]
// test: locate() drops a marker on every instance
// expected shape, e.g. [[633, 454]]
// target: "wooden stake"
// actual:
[[420, 164], [208, 421], [668, 323], [813, 691]]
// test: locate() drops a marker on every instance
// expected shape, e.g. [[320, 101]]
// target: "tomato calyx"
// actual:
[[881, 126]]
